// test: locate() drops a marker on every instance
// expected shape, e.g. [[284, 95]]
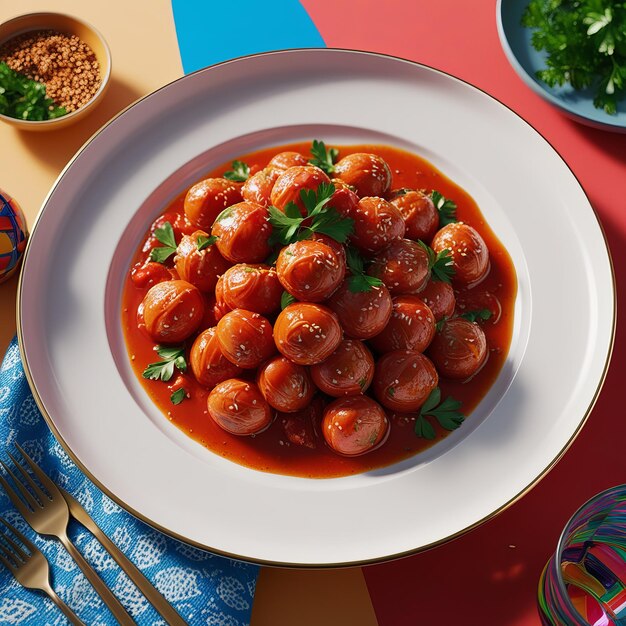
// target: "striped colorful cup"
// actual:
[[584, 583]]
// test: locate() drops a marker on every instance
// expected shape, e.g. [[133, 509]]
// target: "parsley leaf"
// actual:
[[446, 413], [323, 157], [204, 242], [178, 396], [239, 173], [445, 207], [440, 324], [25, 99], [165, 235], [423, 428], [585, 46], [172, 357], [440, 263], [288, 225], [478, 314], [286, 299], [359, 281]]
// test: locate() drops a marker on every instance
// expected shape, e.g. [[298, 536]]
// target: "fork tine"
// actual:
[[19, 505], [25, 493], [19, 535], [9, 555], [45, 480], [32, 502], [17, 549], [39, 494]]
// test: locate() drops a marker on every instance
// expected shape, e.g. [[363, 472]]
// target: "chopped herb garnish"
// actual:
[[445, 207], [446, 413], [359, 281], [178, 396], [478, 314], [288, 226], [391, 391], [204, 242], [585, 45], [165, 235], [286, 299], [401, 192], [25, 99], [172, 357], [362, 382], [441, 323], [323, 157], [239, 173], [440, 263], [224, 214]]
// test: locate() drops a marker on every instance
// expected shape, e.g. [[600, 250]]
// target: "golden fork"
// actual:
[[30, 568], [48, 514]]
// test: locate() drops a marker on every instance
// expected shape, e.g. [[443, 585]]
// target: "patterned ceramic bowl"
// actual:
[[13, 235]]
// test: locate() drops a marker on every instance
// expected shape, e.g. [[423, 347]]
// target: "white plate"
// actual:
[[104, 201]]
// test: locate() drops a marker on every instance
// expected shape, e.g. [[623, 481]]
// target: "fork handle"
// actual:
[[51, 593], [119, 612], [143, 584]]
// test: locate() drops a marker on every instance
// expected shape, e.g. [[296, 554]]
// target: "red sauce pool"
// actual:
[[270, 451]]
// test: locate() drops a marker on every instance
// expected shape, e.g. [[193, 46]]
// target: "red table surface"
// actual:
[[489, 576]]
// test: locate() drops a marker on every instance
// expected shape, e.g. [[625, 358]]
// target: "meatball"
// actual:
[[368, 173], [362, 314], [354, 425], [459, 350], [344, 200], [419, 213], [206, 199], [336, 247], [290, 182], [172, 311], [258, 188], [310, 270], [348, 371], [207, 361], [404, 379], [439, 297], [245, 338], [403, 266], [301, 427], [469, 252], [146, 275], [284, 160], [307, 333], [252, 287], [411, 327], [376, 224], [220, 308], [238, 407], [199, 267], [477, 299], [285, 385], [243, 233]]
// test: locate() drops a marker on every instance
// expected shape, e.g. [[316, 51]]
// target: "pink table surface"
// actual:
[[490, 575]]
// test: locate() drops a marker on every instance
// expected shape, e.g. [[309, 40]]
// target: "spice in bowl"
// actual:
[[45, 74]]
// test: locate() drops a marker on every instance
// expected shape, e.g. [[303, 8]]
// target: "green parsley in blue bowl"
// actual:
[[572, 53]]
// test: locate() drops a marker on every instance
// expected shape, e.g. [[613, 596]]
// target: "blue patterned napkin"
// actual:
[[203, 588]]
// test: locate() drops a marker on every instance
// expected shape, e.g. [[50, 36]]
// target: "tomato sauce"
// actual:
[[270, 450]]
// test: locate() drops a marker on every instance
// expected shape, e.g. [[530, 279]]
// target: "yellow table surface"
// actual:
[[144, 60]]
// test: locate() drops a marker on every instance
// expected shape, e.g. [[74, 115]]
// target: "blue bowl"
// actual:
[[577, 104]]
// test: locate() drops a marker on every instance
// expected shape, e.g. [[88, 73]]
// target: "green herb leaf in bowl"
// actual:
[[25, 99], [585, 43]]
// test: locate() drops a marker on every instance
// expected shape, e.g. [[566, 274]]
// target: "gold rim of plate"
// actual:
[[287, 564]]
